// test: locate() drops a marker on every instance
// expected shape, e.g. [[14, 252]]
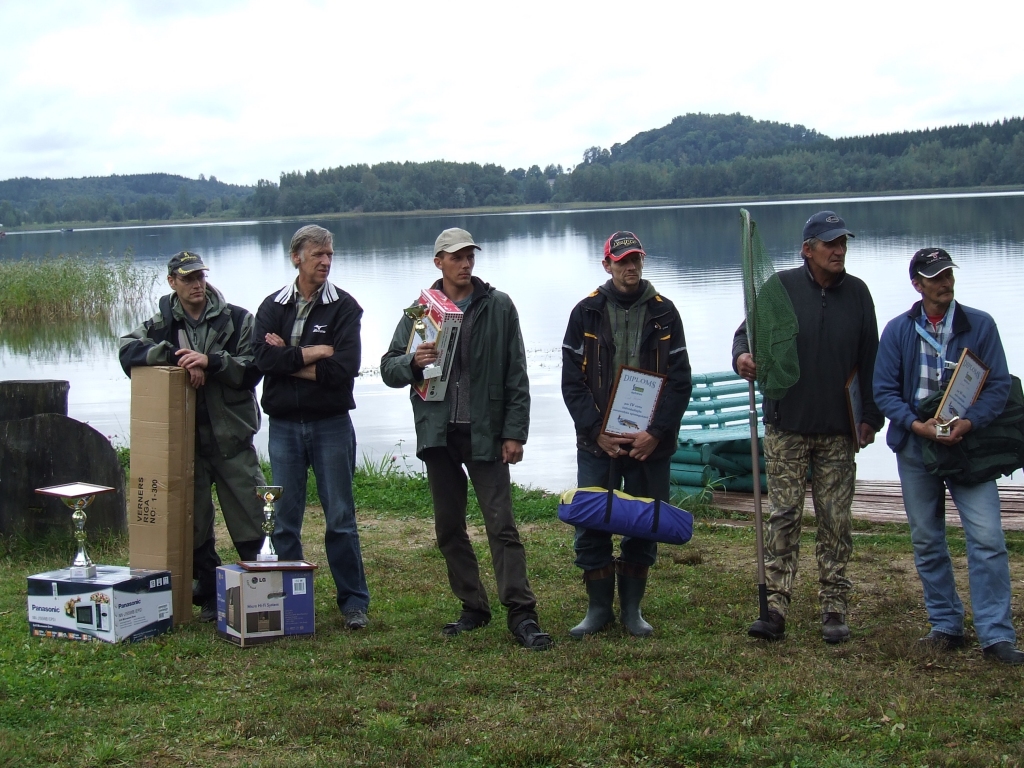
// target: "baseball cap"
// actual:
[[825, 226], [930, 262], [452, 240], [184, 263], [621, 244]]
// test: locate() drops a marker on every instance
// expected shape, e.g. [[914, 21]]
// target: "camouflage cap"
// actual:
[[184, 263]]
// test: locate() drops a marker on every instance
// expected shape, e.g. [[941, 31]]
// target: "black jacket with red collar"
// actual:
[[587, 378]]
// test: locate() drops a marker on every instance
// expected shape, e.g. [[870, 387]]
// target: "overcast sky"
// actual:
[[243, 89]]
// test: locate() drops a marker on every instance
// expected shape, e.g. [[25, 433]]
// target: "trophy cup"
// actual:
[[269, 494], [943, 430], [78, 496], [419, 326]]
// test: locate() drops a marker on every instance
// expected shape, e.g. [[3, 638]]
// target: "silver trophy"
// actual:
[[269, 494], [943, 430], [78, 496], [416, 313]]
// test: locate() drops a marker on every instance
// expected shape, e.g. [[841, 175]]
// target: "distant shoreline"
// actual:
[[529, 209]]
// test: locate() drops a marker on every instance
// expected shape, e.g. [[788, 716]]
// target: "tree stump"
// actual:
[[52, 449], [22, 399]]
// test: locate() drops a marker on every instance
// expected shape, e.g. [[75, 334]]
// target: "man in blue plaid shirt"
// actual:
[[916, 355]]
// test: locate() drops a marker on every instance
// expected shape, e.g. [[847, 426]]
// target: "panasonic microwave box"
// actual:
[[442, 321], [262, 602], [159, 489], [119, 605]]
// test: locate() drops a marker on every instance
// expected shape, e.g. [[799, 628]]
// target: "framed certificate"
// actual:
[[854, 406], [964, 387], [634, 398]]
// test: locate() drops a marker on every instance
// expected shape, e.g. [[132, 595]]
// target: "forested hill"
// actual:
[[115, 198], [694, 156]]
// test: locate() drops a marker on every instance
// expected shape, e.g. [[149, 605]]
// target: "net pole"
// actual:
[[750, 294]]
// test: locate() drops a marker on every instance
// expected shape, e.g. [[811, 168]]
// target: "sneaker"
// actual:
[[466, 623], [209, 610], [356, 619], [771, 630], [834, 629], [528, 635], [943, 641], [1004, 653]]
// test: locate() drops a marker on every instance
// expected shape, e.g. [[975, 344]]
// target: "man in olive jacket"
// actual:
[[211, 339], [482, 423]]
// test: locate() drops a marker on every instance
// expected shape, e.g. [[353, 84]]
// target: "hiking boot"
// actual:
[[834, 629], [356, 619], [209, 610], [600, 584], [1004, 653], [466, 623], [772, 629], [528, 635], [942, 641]]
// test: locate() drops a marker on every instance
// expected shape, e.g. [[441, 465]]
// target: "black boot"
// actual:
[[600, 584], [204, 574], [247, 550], [632, 585]]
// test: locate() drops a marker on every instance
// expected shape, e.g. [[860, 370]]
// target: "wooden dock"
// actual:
[[880, 501]]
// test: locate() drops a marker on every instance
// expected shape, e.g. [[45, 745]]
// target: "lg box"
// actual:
[[261, 602], [118, 605], [442, 321], [160, 485]]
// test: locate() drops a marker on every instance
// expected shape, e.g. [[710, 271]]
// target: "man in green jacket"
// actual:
[[481, 424], [198, 330]]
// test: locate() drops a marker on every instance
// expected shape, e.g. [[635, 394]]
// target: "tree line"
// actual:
[[694, 156]]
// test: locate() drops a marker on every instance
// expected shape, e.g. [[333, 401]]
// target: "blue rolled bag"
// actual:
[[613, 511]]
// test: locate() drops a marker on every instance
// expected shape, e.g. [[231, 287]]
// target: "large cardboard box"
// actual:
[[443, 321], [262, 602], [118, 605], [159, 492]]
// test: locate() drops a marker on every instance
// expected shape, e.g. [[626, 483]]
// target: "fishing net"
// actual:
[[771, 322]]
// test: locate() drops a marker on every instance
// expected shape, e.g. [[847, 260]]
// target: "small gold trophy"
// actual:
[[417, 312], [269, 494], [78, 496]]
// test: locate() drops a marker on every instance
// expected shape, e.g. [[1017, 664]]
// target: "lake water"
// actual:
[[546, 262]]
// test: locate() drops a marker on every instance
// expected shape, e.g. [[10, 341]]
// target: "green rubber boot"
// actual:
[[632, 585], [600, 584]]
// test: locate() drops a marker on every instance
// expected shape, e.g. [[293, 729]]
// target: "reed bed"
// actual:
[[70, 287]]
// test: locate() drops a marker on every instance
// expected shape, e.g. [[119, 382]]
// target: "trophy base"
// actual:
[[261, 558], [83, 571]]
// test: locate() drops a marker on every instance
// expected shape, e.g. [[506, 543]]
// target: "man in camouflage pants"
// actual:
[[810, 426]]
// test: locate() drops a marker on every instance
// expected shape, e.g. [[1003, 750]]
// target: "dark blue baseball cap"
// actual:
[[826, 226]]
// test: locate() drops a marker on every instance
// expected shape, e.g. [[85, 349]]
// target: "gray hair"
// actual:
[[811, 242], [310, 234]]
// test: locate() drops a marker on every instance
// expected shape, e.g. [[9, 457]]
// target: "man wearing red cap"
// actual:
[[625, 322]]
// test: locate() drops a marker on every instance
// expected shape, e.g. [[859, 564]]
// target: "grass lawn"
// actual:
[[699, 693]]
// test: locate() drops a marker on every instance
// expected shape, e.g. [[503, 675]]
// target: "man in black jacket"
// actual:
[[811, 426], [625, 322], [198, 330], [307, 345]]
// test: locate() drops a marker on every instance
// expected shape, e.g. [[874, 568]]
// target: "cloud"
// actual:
[[247, 89]]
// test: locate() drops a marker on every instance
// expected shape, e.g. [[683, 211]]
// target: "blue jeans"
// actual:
[[594, 548], [329, 446], [988, 567]]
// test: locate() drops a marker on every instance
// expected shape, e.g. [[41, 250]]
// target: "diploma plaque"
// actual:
[[964, 387], [634, 398]]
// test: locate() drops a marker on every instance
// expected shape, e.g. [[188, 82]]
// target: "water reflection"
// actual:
[[546, 262]]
